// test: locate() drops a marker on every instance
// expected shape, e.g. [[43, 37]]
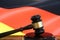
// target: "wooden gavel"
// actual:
[[37, 25]]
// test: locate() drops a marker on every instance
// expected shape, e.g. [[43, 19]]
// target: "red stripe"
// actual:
[[20, 17]]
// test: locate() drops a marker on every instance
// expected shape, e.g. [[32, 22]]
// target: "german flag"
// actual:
[[11, 19]]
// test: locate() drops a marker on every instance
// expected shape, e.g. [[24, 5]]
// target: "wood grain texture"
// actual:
[[18, 38], [12, 38]]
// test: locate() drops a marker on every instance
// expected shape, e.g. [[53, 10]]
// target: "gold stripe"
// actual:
[[37, 25], [5, 28]]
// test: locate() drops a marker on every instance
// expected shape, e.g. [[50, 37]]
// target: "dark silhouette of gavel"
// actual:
[[37, 26]]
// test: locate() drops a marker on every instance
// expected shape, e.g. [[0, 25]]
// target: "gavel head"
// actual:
[[37, 22], [37, 25]]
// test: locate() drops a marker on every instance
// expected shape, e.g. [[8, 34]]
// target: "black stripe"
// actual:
[[49, 5]]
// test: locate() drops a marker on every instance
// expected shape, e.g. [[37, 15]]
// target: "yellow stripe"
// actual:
[[5, 28]]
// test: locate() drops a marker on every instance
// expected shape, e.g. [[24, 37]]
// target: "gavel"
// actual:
[[37, 25]]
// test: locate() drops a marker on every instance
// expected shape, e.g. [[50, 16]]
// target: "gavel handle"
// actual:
[[14, 31]]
